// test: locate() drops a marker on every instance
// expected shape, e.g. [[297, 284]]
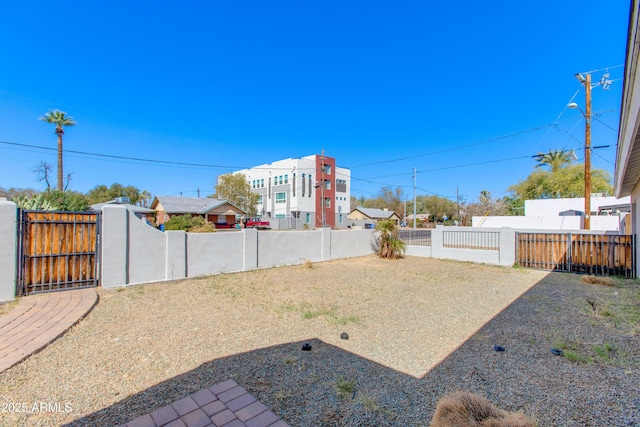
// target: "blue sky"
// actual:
[[465, 92]]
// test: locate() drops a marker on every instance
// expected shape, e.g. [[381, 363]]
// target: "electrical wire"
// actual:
[[460, 147]]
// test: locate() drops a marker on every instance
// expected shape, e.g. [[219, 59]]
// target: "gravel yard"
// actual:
[[418, 328]]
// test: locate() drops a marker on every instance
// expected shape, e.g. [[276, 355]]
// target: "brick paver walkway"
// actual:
[[38, 320], [223, 405]]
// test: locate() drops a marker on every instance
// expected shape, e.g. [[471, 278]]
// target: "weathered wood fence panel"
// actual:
[[585, 253], [57, 250]]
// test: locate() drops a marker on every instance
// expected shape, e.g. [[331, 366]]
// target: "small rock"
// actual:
[[344, 336]]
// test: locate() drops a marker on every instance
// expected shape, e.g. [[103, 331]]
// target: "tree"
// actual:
[[565, 182], [102, 193], [12, 192], [437, 207], [42, 172], [389, 244], [145, 198], [61, 120], [236, 190], [554, 160], [485, 206]]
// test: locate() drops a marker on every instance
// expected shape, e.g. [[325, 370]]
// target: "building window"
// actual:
[[294, 185], [280, 180], [310, 184], [303, 186], [281, 216], [308, 218], [327, 202], [327, 184], [281, 197], [259, 200], [269, 187], [340, 219], [327, 169], [262, 183], [286, 179]]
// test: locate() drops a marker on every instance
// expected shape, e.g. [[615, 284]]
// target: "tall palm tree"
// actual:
[[555, 159], [61, 120]]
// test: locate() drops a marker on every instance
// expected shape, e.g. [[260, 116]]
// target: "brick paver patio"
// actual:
[[222, 405], [38, 320]]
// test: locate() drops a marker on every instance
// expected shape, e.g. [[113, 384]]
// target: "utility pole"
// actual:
[[458, 202], [587, 153], [324, 221], [585, 79], [405, 211], [414, 197]]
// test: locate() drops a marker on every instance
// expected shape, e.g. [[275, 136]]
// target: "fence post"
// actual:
[[251, 254], [115, 247], [8, 250], [325, 246], [507, 248], [176, 254], [437, 238], [569, 251]]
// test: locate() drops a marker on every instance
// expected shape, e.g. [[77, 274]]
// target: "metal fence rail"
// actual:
[[485, 240], [583, 253], [415, 237]]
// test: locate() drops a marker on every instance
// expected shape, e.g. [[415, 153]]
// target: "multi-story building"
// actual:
[[310, 190]]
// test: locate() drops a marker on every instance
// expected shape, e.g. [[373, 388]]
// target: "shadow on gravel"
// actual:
[[329, 386]]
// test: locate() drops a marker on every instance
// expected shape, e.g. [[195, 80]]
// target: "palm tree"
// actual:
[[389, 244], [60, 119], [555, 159]]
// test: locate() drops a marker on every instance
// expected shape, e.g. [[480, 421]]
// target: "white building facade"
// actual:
[[309, 191]]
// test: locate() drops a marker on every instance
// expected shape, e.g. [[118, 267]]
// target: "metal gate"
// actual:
[[57, 250], [577, 252]]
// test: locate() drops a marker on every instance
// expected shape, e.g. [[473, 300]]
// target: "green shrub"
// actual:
[[191, 224], [389, 244], [53, 200]]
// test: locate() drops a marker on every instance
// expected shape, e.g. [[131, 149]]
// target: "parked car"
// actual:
[[257, 223]]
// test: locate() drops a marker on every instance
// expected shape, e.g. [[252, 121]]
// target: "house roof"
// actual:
[[627, 171], [375, 213], [129, 206], [191, 205]]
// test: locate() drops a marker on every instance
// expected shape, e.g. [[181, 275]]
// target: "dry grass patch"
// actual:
[[6, 307], [596, 280]]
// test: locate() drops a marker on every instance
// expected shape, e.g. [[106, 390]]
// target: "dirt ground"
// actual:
[[145, 346]]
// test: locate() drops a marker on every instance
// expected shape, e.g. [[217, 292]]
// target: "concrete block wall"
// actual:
[[134, 253], [8, 250], [504, 255]]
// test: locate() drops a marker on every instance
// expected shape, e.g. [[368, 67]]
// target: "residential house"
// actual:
[[212, 210], [371, 214], [627, 172], [144, 214], [310, 191]]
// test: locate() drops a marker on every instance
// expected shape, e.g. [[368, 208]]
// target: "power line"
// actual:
[[111, 156], [460, 147]]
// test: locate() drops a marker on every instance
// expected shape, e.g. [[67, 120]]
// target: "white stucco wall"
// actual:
[[598, 223], [8, 249], [553, 207]]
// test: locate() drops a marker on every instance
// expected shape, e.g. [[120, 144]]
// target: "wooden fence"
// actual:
[[584, 253], [57, 250]]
